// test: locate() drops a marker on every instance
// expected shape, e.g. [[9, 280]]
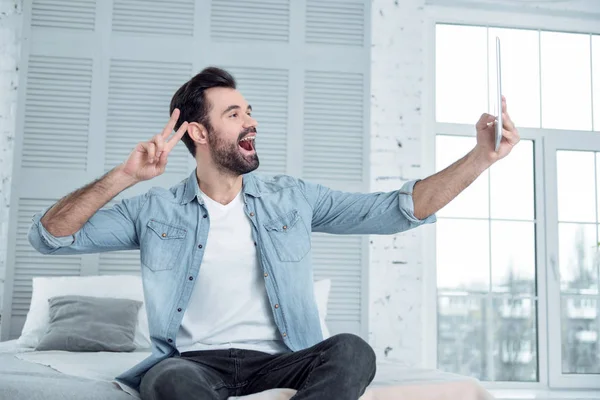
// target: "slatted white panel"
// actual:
[[174, 17], [66, 14], [334, 126], [251, 20], [138, 108], [266, 90], [338, 22], [340, 259], [57, 113], [29, 263]]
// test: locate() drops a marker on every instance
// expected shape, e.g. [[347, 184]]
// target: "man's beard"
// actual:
[[227, 156]]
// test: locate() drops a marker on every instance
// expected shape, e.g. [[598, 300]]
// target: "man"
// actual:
[[226, 254]]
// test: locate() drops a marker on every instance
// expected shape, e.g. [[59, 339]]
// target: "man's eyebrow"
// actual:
[[235, 107]]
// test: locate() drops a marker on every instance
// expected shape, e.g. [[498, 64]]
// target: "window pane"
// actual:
[[576, 186], [513, 257], [566, 81], [580, 327], [577, 258], [596, 79], [515, 339], [461, 73], [473, 202], [520, 74], [462, 335], [463, 261], [511, 184]]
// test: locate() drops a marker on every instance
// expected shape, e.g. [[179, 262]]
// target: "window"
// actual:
[[504, 257]]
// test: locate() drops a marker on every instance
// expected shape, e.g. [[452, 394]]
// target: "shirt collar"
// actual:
[[191, 189]]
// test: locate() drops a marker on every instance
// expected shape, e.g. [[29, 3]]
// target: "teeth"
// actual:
[[248, 138]]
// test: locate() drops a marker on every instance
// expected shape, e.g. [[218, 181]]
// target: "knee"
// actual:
[[351, 351], [161, 380]]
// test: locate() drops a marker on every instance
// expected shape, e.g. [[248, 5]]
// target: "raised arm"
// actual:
[[75, 224], [417, 201], [432, 194]]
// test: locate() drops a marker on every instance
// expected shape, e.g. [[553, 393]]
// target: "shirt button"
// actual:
[[170, 340], [276, 305], [266, 274], [204, 216], [164, 235], [255, 243], [285, 227], [199, 246], [284, 334], [179, 309], [191, 278], [252, 214]]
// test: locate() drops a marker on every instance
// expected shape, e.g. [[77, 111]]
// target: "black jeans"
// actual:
[[338, 368]]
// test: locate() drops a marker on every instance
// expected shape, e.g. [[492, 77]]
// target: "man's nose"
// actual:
[[250, 122]]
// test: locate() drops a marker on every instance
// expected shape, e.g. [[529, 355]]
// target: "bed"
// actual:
[[82, 332], [62, 375]]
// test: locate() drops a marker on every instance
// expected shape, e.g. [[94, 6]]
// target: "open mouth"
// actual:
[[247, 143]]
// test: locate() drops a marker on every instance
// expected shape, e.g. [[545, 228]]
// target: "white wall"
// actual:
[[10, 28], [397, 75]]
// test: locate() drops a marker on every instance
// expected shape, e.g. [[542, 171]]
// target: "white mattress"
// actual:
[[392, 382]]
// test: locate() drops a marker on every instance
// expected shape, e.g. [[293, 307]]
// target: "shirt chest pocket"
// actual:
[[162, 245], [289, 236]]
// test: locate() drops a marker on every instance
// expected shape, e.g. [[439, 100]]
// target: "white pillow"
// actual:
[[322, 288], [114, 286]]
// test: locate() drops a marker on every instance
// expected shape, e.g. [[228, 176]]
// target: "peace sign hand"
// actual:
[[149, 159]]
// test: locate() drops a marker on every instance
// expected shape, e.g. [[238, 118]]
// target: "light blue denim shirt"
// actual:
[[170, 227]]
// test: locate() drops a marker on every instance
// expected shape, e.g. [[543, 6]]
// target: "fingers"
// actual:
[[160, 144], [484, 121], [171, 124], [178, 135], [147, 147], [162, 160], [151, 150], [507, 122], [512, 136]]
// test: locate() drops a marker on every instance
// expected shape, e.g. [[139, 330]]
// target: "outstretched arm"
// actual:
[[432, 194]]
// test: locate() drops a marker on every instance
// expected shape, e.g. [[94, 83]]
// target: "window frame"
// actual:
[[547, 367], [554, 141]]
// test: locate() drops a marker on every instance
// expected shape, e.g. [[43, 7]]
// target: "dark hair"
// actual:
[[192, 103]]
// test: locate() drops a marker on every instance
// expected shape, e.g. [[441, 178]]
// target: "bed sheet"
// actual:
[[21, 379], [59, 372]]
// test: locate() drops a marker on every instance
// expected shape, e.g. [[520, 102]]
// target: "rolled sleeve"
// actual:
[[407, 205], [44, 241]]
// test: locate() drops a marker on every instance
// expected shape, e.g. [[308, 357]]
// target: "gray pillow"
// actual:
[[82, 323]]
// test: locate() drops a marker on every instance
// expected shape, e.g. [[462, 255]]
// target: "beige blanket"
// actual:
[[465, 390], [394, 382]]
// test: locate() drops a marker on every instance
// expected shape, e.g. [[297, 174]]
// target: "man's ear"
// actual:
[[198, 132]]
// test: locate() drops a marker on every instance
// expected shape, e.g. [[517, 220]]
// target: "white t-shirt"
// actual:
[[229, 306]]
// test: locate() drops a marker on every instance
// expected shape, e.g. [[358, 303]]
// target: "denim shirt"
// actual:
[[170, 227]]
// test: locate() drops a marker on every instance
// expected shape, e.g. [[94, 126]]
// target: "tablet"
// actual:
[[499, 123]]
